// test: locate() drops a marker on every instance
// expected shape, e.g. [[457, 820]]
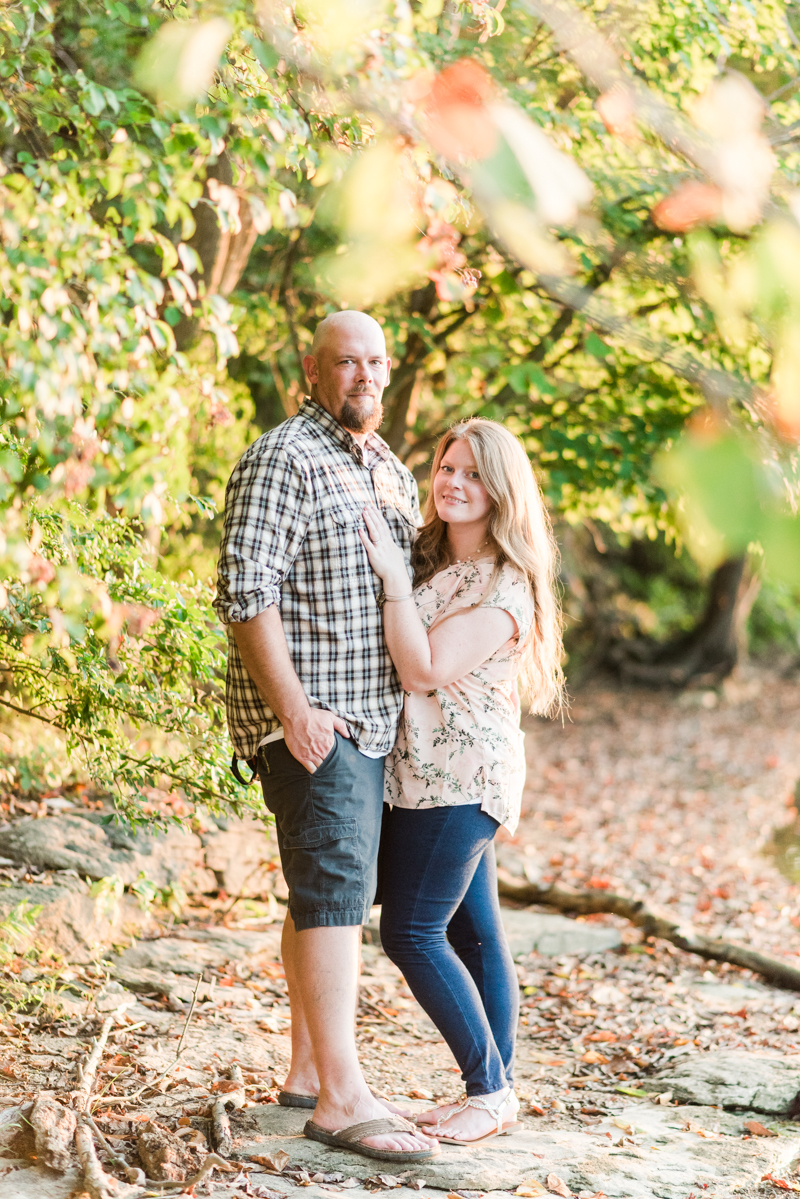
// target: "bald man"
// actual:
[[313, 701]]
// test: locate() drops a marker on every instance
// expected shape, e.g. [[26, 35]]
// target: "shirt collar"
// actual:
[[374, 447]]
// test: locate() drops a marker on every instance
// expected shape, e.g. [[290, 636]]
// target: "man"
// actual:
[[312, 693]]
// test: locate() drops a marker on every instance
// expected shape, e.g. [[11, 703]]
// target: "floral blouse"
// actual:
[[462, 743]]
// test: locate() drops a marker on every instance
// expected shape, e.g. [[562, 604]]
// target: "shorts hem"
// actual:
[[344, 918]]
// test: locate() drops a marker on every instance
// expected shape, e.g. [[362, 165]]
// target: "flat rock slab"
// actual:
[[555, 936], [666, 1153], [71, 921], [731, 1079], [237, 855]]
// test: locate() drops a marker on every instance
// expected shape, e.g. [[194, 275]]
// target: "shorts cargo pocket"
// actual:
[[323, 867]]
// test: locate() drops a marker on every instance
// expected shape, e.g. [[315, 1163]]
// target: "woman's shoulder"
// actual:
[[512, 591]]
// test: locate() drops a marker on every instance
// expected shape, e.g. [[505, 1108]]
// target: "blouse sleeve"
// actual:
[[512, 593]]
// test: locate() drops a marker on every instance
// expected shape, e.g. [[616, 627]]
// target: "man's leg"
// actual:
[[328, 829], [302, 1078]]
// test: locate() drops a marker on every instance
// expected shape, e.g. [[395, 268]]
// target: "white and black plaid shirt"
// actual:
[[292, 511]]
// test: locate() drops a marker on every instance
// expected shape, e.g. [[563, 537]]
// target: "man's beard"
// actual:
[[356, 420]]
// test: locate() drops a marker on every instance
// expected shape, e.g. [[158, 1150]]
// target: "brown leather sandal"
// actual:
[[352, 1136]]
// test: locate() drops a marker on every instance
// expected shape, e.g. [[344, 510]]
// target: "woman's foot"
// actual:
[[471, 1123]]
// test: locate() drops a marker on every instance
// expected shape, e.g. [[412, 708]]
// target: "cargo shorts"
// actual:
[[329, 827]]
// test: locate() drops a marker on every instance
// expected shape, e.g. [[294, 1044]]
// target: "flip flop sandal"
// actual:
[[480, 1102], [293, 1099], [352, 1136]]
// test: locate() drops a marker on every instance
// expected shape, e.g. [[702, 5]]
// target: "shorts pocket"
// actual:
[[323, 867], [321, 834]]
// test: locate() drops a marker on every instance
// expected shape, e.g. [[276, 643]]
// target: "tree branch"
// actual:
[[654, 922]]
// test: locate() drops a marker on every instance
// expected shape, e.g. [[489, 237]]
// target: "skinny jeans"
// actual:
[[441, 926]]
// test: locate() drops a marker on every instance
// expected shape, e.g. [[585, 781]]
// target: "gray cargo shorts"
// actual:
[[329, 829]]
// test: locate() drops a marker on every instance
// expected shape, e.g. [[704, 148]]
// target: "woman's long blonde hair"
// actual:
[[520, 533]]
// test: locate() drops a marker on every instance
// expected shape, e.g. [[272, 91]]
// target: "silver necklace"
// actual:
[[470, 557]]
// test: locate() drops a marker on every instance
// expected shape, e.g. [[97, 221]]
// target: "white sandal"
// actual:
[[482, 1102]]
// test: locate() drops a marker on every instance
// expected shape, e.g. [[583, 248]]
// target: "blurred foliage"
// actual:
[[580, 244]]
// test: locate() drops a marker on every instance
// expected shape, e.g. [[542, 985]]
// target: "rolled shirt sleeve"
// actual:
[[269, 502]]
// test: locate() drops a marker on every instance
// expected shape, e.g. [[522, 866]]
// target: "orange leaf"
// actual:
[[594, 1058], [459, 124], [757, 1129], [557, 1186], [602, 1035], [692, 203]]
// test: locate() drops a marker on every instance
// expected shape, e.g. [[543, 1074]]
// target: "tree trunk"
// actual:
[[399, 394], [223, 253], [709, 652]]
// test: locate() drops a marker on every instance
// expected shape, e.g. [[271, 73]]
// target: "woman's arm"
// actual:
[[455, 647]]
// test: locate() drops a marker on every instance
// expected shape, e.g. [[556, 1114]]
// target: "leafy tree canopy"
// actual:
[[576, 219]]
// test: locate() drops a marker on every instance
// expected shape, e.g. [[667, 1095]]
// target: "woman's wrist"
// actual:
[[397, 584]]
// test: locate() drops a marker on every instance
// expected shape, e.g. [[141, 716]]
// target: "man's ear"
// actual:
[[388, 371], [310, 367]]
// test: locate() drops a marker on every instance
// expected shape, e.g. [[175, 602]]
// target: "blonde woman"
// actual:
[[481, 615]]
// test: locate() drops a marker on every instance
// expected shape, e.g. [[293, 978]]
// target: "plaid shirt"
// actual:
[[292, 512]]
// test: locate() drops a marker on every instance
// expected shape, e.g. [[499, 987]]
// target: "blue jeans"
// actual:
[[441, 926]]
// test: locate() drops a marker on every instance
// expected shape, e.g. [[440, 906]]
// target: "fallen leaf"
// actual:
[[557, 1186], [276, 1162], [757, 1129], [602, 1035], [531, 1189], [594, 1058], [618, 1122], [664, 1098], [535, 1110], [418, 1093], [389, 1181]]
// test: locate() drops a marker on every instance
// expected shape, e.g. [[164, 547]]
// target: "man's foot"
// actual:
[[333, 1117], [309, 1086], [473, 1123]]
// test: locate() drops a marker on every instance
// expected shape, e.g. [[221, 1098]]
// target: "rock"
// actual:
[[95, 850], [164, 1156], [54, 1127], [731, 1079], [72, 922], [664, 1160], [243, 855], [159, 965], [555, 936]]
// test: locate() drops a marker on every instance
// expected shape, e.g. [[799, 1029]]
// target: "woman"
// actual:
[[481, 615]]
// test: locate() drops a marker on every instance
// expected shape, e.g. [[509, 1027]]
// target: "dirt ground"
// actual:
[[688, 799]]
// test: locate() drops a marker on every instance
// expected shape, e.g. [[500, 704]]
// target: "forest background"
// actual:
[[581, 220]]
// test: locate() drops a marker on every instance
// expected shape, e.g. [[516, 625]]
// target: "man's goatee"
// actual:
[[358, 421]]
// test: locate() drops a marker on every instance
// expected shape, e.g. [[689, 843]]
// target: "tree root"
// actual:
[[221, 1136], [99, 1184], [654, 922]]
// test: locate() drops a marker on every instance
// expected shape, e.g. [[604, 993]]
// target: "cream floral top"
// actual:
[[462, 744]]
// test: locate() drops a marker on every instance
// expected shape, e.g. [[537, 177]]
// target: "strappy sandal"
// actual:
[[481, 1102], [352, 1136]]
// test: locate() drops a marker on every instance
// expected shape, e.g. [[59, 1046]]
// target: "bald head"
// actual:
[[339, 324], [348, 370]]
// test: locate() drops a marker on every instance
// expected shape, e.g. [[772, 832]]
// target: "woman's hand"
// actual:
[[385, 556]]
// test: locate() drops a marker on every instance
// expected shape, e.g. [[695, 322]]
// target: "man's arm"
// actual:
[[265, 654]]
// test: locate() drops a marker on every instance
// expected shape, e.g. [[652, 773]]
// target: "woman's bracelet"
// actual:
[[392, 599]]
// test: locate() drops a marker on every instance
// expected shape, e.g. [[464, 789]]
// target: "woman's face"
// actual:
[[458, 493]]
